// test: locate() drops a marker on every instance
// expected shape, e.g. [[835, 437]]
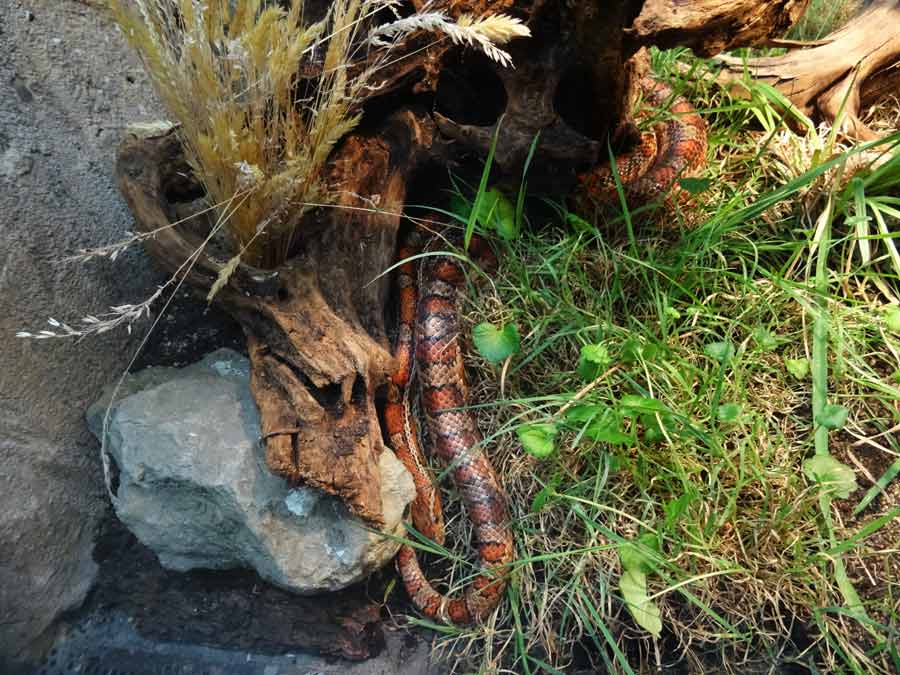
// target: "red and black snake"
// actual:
[[428, 342], [675, 148]]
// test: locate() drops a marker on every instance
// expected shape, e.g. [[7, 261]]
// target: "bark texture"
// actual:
[[851, 68], [315, 327], [713, 26]]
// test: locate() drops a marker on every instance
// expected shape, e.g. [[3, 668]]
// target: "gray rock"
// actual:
[[66, 96], [193, 485]]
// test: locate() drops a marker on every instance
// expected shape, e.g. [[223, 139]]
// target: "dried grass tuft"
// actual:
[[262, 94]]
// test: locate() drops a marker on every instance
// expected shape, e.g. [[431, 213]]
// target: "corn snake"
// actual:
[[427, 337]]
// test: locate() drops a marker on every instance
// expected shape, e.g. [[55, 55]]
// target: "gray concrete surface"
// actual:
[[69, 85]]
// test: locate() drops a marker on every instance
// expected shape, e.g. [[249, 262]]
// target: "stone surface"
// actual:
[[192, 484], [69, 86]]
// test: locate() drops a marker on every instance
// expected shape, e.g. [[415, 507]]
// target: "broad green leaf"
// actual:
[[632, 405], [632, 351], [633, 586], [496, 344], [720, 351], [505, 219], [607, 428], [892, 318], [585, 412], [487, 206], [593, 361], [498, 213], [799, 368], [637, 560], [637, 555], [608, 434], [838, 479], [833, 416], [538, 440], [675, 508], [728, 412]]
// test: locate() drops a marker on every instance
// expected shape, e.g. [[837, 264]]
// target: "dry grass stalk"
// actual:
[[230, 74]]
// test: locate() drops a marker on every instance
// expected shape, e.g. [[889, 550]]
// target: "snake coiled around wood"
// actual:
[[428, 343]]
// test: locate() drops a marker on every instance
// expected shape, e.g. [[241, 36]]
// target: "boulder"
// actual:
[[190, 480]]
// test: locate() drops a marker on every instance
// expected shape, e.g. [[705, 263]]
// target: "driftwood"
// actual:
[[316, 327], [712, 26], [850, 69]]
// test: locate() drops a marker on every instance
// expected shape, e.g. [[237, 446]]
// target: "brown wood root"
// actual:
[[315, 326], [840, 75]]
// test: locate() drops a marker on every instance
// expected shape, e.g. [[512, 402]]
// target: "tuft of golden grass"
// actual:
[[229, 73], [262, 95]]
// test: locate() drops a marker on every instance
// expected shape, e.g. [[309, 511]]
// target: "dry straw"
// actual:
[[262, 94]]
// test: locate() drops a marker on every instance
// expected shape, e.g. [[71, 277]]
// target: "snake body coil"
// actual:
[[455, 440], [673, 149], [428, 337]]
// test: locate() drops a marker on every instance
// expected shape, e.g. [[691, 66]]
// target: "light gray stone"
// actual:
[[193, 486]]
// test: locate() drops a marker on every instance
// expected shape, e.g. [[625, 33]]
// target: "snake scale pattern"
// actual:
[[675, 148], [428, 343]]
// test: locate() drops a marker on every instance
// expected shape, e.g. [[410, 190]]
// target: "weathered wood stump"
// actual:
[[315, 326], [841, 74]]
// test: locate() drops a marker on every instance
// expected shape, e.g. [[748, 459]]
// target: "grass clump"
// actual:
[[698, 433], [229, 74]]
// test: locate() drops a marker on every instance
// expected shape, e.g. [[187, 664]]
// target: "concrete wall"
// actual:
[[69, 85]]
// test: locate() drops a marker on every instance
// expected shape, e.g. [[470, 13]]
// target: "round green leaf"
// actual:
[[765, 340], [833, 416], [538, 439], [594, 360], [497, 212], [799, 368], [632, 351], [839, 479], [720, 351], [496, 344], [892, 318], [728, 412]]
